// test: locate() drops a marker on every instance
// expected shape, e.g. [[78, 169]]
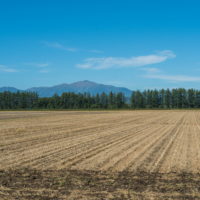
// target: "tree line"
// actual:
[[68, 100], [147, 99], [167, 99]]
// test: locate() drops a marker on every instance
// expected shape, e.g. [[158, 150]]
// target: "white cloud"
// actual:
[[174, 78], [95, 51], [151, 70], [154, 73], [117, 62], [4, 68], [41, 65], [57, 45]]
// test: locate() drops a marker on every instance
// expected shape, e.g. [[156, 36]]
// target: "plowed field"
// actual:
[[100, 155]]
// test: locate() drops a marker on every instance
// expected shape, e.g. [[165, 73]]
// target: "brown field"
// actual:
[[100, 155]]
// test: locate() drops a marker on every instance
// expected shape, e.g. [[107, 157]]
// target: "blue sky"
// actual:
[[137, 44]]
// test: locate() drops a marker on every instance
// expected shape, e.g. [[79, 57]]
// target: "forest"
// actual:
[[147, 99], [68, 100]]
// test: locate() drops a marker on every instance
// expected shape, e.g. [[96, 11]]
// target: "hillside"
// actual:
[[77, 87]]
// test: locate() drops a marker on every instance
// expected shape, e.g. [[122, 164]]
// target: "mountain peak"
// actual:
[[84, 86], [84, 83]]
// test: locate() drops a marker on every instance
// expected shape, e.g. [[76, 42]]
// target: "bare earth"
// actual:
[[100, 155]]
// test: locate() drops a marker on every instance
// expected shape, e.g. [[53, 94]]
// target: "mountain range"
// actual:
[[77, 87]]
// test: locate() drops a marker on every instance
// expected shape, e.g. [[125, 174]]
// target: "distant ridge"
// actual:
[[77, 87], [10, 89]]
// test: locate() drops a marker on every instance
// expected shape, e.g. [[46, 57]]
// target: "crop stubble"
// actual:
[[134, 154]]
